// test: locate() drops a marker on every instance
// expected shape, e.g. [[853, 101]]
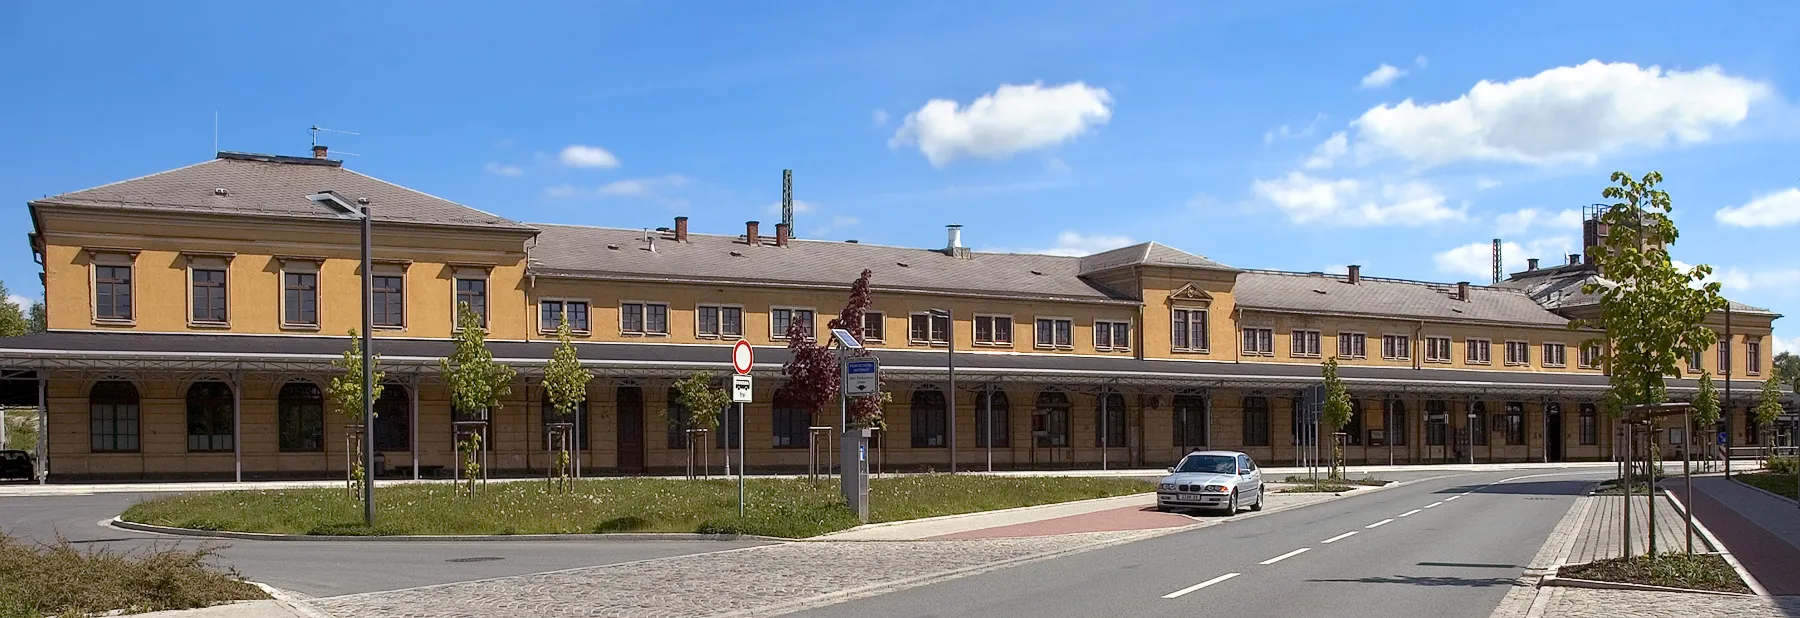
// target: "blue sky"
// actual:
[[1402, 136]]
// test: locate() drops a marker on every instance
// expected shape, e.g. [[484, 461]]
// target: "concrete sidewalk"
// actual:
[[241, 609]]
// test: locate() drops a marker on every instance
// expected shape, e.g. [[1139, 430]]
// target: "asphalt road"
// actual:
[[1445, 547], [328, 568]]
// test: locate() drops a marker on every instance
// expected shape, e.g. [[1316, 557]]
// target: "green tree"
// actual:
[[703, 403], [1336, 413], [1787, 367], [346, 394], [477, 383], [1705, 406], [35, 320], [566, 381], [12, 317], [1768, 406]]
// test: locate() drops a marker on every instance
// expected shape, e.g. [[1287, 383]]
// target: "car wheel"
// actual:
[[1162, 509], [1257, 506], [1231, 504]]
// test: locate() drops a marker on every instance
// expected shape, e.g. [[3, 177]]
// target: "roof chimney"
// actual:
[[750, 237], [681, 229], [1355, 271], [1531, 264], [1462, 291], [1574, 259], [319, 152], [781, 234], [953, 246]]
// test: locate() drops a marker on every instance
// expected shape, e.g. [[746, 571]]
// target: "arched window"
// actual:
[[300, 414], [113, 417], [1353, 430], [1189, 412], [928, 407], [1050, 421], [1256, 421], [680, 420], [579, 417], [1396, 422], [1109, 420], [792, 425], [998, 422], [1479, 426], [209, 417], [393, 419]]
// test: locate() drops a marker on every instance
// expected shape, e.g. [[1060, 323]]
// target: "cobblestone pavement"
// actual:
[[758, 580], [1600, 537], [1586, 603]]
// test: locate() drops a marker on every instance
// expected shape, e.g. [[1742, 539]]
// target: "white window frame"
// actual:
[[1202, 336], [1312, 337], [565, 300], [1346, 336], [1523, 345], [301, 267], [930, 336], [1260, 331], [1110, 331], [1053, 345], [1402, 352], [487, 295], [207, 262], [1562, 354], [98, 257], [699, 334], [974, 328], [1470, 344], [1583, 361], [1431, 341], [880, 318], [782, 336]]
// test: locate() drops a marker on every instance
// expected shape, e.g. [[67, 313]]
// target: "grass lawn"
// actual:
[[793, 508], [1782, 484], [35, 581], [1695, 572]]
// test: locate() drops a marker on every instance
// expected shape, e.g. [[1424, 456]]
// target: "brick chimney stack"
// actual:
[[681, 229], [1355, 271], [319, 152], [1462, 291], [750, 236], [781, 234]]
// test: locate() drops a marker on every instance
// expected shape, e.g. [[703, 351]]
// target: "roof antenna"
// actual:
[[315, 129]]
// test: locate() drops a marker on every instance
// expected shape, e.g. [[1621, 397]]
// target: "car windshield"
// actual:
[[1215, 464]]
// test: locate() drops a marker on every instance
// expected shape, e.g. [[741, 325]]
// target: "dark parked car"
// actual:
[[16, 465]]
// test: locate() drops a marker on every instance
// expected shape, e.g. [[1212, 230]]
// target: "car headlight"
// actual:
[[1166, 486], [1218, 488]]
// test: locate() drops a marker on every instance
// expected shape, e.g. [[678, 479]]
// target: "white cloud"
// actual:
[[1772, 210], [564, 191], [1007, 121], [1420, 61], [1351, 202], [1734, 278], [1073, 243], [838, 222], [1564, 114], [1329, 151], [880, 117], [1790, 345], [1484, 183], [1476, 260], [24, 302], [577, 155], [500, 169], [634, 187], [1521, 221], [1288, 132], [1382, 76]]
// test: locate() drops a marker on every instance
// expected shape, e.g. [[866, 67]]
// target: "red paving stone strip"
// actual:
[[1112, 520], [1769, 558]]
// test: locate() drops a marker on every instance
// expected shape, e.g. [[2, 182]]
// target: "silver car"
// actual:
[[1226, 480]]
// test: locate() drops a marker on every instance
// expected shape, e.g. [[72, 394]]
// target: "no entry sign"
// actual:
[[741, 356]]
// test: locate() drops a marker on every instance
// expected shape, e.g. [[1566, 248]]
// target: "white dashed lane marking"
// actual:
[[1379, 523], [1410, 512], [1339, 537], [1285, 556], [1178, 593], [1433, 505]]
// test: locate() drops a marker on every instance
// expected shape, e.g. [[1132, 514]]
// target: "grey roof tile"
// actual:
[[1387, 298], [271, 186], [1146, 254]]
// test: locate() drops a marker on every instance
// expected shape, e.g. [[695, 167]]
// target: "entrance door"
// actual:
[[631, 429], [1553, 431]]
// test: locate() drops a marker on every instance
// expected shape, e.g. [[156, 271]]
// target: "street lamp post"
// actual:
[[361, 210], [950, 359]]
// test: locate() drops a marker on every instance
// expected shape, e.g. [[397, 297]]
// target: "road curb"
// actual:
[[262, 536], [889, 524], [1570, 582]]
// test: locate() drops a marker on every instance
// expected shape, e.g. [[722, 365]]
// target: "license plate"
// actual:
[[1190, 497]]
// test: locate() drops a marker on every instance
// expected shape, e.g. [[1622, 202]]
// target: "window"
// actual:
[[719, 321], [1190, 420], [1259, 341], [552, 312], [1353, 430], [1305, 344], [640, 318], [1753, 357], [871, 326], [1752, 431], [1188, 330], [1396, 347], [1109, 425], [793, 426], [993, 330], [1696, 361], [1352, 345], [393, 419], [209, 417], [300, 299], [1396, 422], [1724, 356], [928, 328], [113, 417], [928, 418], [1437, 422], [1480, 351], [1515, 423], [472, 292], [1437, 349], [1256, 421], [781, 319], [1556, 355], [993, 411], [1050, 421], [1590, 356], [547, 413], [1109, 335], [1518, 353], [1590, 428], [680, 421], [1055, 333], [209, 296], [300, 414], [1478, 427], [112, 292], [390, 300]]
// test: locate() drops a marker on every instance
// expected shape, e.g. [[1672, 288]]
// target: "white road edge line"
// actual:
[[1339, 537], [1285, 556], [1433, 505], [1410, 512], [1178, 593], [1451, 498], [1379, 523]]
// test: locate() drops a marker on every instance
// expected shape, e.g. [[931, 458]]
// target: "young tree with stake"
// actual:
[[566, 381], [703, 404], [477, 383], [346, 394], [1336, 414]]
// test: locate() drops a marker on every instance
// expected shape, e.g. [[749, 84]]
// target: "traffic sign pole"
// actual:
[[742, 359]]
